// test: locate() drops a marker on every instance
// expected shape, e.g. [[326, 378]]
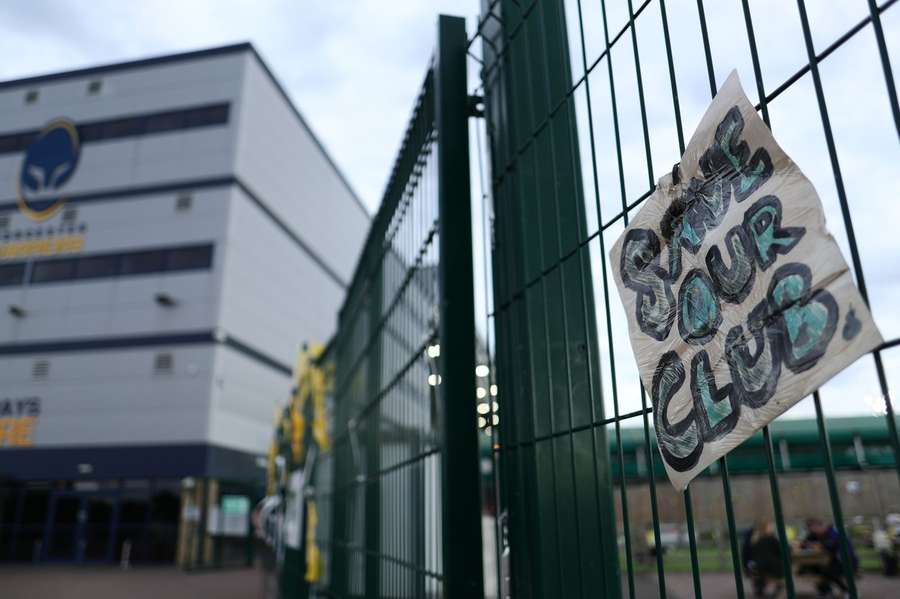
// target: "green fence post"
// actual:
[[370, 424], [460, 475]]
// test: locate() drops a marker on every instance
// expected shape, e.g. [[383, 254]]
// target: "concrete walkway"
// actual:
[[63, 582]]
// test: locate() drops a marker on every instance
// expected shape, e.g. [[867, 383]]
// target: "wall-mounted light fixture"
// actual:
[[165, 300]]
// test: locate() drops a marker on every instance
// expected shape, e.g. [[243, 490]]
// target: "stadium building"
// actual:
[[171, 231]]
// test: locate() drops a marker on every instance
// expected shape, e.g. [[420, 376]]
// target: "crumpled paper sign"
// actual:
[[739, 302]]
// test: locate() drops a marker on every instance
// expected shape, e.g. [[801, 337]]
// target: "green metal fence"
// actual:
[[398, 495], [580, 124]]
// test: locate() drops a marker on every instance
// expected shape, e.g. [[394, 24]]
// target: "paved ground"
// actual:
[[52, 582], [721, 586]]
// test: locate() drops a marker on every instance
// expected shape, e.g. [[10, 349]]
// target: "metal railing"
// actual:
[[580, 123], [398, 493]]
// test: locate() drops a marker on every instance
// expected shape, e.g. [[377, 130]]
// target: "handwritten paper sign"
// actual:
[[739, 302]]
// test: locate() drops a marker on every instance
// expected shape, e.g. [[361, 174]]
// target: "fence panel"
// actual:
[[402, 483], [586, 104]]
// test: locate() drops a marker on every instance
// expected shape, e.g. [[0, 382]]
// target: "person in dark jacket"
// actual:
[[762, 560], [828, 540]]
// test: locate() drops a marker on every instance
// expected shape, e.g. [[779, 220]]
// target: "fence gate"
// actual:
[[583, 113], [399, 491]]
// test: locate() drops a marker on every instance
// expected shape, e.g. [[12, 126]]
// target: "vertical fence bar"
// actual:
[[601, 471], [654, 508], [726, 482], [875, 14], [692, 542], [770, 460], [619, 452], [888, 410], [732, 530], [552, 41], [370, 482], [536, 90], [707, 51], [640, 88], [779, 514], [688, 503], [461, 506], [837, 512], [616, 411]]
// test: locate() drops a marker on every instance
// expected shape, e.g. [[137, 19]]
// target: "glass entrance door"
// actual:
[[98, 528], [81, 527], [61, 537]]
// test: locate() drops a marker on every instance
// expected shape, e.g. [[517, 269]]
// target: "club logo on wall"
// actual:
[[725, 345], [49, 163]]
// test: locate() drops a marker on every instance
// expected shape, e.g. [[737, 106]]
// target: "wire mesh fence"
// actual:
[[586, 104], [403, 399]]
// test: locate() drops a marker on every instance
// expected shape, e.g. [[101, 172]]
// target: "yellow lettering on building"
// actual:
[[50, 246], [16, 432]]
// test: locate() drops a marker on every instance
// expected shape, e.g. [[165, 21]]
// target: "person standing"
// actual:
[[883, 544], [762, 560]]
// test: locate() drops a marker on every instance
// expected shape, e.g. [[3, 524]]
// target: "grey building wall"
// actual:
[[286, 230], [280, 159], [75, 309], [115, 397], [169, 156]]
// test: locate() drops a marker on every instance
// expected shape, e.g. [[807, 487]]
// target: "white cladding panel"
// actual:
[[274, 296], [126, 305], [279, 159], [126, 92], [245, 395], [115, 396]]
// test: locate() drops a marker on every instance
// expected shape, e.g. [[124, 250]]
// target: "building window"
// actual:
[[191, 258], [48, 271], [166, 121], [203, 117], [12, 274], [94, 267], [119, 128], [40, 369], [4, 221], [70, 215], [94, 87], [162, 363], [132, 126], [100, 266], [31, 96], [138, 263]]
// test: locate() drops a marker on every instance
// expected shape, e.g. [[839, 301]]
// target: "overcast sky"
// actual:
[[354, 68]]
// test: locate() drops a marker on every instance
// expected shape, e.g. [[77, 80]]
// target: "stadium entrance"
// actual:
[[81, 526]]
